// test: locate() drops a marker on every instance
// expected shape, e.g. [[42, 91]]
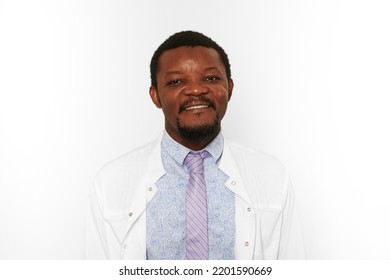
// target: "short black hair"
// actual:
[[190, 39]]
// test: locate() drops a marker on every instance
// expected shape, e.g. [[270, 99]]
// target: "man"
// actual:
[[192, 194]]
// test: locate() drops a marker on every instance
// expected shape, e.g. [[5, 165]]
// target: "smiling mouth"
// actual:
[[197, 107]]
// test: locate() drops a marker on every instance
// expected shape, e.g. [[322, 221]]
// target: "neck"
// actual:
[[194, 144], [198, 144]]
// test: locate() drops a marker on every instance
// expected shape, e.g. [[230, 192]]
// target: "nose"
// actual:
[[195, 88]]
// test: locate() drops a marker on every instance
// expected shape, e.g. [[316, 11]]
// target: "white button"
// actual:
[[130, 214], [125, 246], [150, 189], [233, 183], [249, 209], [247, 243]]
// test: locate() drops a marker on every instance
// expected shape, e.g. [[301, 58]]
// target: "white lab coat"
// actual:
[[266, 222]]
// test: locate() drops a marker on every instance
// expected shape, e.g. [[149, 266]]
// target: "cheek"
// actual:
[[222, 110], [170, 107], [223, 100], [222, 104]]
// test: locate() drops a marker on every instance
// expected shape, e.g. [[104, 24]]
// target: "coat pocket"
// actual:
[[270, 226], [119, 224]]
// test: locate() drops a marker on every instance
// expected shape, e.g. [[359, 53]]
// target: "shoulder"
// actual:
[[264, 176], [256, 158], [131, 162]]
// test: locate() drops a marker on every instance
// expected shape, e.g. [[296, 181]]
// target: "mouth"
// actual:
[[193, 107], [196, 104]]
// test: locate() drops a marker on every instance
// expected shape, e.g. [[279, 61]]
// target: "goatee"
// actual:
[[199, 132]]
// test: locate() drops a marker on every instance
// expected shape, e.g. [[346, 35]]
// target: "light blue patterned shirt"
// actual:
[[165, 213]]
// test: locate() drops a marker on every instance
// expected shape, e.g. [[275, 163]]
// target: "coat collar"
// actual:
[[155, 167], [228, 165]]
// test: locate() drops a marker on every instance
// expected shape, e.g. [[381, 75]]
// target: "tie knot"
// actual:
[[194, 161]]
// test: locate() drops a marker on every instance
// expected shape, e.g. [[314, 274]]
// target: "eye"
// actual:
[[174, 82], [212, 78]]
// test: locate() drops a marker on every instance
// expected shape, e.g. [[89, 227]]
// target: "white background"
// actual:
[[311, 87]]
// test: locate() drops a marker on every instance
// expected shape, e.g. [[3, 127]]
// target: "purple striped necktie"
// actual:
[[197, 247]]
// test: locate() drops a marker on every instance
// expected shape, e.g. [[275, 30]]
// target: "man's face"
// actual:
[[193, 92]]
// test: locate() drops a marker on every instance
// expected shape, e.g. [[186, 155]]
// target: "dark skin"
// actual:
[[193, 91]]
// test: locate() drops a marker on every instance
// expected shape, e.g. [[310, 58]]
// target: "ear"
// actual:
[[154, 96], [230, 89]]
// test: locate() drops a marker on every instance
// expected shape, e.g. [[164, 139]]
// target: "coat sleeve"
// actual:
[[291, 241]]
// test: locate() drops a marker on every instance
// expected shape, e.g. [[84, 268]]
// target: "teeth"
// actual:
[[197, 107]]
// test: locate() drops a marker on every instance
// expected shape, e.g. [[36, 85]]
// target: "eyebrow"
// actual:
[[173, 72], [180, 72], [211, 68]]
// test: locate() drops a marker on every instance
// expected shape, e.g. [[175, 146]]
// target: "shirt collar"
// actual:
[[179, 152]]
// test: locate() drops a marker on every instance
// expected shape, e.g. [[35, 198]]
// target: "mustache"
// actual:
[[195, 100]]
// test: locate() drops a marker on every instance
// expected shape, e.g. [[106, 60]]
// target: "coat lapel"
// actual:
[[140, 192], [245, 218], [229, 166]]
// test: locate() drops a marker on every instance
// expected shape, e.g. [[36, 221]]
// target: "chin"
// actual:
[[200, 131]]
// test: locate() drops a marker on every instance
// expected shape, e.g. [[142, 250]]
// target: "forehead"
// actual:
[[206, 57]]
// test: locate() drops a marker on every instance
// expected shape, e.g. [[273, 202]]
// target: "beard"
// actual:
[[199, 132]]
